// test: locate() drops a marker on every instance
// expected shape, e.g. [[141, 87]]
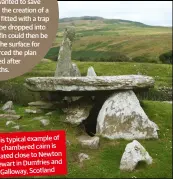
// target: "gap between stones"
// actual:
[[90, 123]]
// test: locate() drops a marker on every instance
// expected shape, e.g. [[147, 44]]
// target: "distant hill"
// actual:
[[107, 21], [100, 39], [69, 19]]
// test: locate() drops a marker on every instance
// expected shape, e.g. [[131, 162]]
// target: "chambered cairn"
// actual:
[[106, 105]]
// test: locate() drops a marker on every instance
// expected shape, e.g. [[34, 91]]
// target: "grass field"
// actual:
[[95, 39], [105, 161], [162, 73], [100, 37]]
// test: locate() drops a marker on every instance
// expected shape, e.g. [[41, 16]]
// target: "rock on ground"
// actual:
[[17, 127], [42, 104], [134, 153], [122, 117], [10, 123], [70, 99], [91, 72], [33, 111], [45, 122], [8, 106], [170, 102], [76, 114], [90, 142], [83, 156], [10, 111], [50, 113], [10, 116], [75, 70]]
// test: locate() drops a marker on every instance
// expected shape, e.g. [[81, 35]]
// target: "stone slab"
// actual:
[[98, 83]]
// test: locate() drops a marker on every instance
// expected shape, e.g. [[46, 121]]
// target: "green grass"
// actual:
[[105, 161], [162, 73], [15, 90], [105, 36]]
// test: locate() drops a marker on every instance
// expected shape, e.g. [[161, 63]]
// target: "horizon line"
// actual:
[[114, 19]]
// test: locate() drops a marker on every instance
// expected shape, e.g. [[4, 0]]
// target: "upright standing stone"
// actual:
[[8, 106], [65, 67], [64, 58], [122, 117], [91, 72], [75, 70]]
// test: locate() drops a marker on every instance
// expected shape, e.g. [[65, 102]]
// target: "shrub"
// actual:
[[141, 58], [166, 57], [118, 57]]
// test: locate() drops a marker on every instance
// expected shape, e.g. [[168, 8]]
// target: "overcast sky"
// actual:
[[148, 12]]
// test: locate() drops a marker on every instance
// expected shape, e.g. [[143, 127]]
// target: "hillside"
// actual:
[[98, 38]]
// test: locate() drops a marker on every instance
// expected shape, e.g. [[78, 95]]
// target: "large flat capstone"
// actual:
[[94, 83]]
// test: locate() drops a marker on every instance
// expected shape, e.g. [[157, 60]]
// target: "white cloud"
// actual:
[[148, 12]]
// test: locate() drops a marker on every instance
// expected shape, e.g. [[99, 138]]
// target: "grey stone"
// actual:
[[70, 99], [50, 113], [83, 156], [90, 142], [170, 102], [69, 33], [45, 122], [64, 65], [23, 125], [134, 153], [42, 104], [8, 106], [91, 72], [10, 111], [98, 83], [121, 117], [76, 114], [75, 70], [10, 116], [33, 111], [17, 127], [10, 123]]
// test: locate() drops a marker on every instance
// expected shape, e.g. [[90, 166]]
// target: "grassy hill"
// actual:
[[98, 38]]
